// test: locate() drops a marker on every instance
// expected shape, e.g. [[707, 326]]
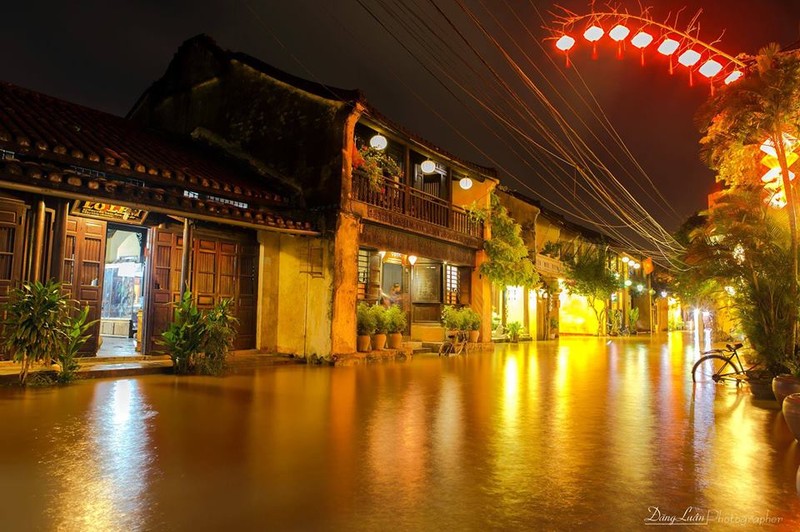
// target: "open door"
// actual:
[[84, 264]]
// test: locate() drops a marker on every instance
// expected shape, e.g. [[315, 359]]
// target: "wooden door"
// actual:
[[220, 269], [12, 239], [84, 266]]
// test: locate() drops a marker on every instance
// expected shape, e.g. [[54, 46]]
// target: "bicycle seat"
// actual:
[[733, 347]]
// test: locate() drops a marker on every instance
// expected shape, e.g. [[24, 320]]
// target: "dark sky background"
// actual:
[[104, 54]]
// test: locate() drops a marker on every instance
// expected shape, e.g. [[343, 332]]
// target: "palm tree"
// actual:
[[763, 106]]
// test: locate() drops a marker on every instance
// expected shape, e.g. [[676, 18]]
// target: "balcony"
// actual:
[[402, 206]]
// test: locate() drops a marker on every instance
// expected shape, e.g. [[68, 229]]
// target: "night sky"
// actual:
[[104, 54]]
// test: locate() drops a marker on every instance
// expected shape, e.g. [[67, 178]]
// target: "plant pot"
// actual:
[[791, 413], [362, 343], [760, 385], [395, 340], [784, 385], [474, 335], [378, 341]]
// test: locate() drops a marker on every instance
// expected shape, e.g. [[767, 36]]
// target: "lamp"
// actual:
[[642, 39], [593, 33], [382, 254], [626, 260], [619, 32], [710, 68], [668, 47], [565, 43], [733, 76], [636, 265], [428, 166], [378, 142], [465, 183], [412, 259]]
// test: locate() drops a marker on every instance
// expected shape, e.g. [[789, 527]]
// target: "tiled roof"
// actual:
[[60, 135]]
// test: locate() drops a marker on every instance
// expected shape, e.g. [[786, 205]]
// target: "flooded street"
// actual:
[[548, 436]]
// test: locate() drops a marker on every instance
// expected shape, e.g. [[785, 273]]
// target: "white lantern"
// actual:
[[428, 166], [378, 142]]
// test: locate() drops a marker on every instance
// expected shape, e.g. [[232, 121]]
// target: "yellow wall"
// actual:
[[479, 193], [576, 315], [294, 314]]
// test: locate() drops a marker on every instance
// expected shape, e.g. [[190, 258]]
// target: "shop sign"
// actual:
[[109, 212]]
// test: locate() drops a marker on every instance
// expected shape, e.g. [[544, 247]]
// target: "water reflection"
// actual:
[[579, 433]]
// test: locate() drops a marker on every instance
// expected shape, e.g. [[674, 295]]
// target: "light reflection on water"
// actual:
[[582, 432]]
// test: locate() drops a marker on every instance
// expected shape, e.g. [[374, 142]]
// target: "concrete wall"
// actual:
[[294, 316]]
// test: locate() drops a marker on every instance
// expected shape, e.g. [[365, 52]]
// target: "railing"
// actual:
[[550, 266], [401, 198]]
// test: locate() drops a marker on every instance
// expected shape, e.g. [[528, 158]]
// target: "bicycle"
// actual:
[[455, 344], [717, 366]]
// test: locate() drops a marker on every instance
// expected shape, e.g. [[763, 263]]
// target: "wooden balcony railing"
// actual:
[[403, 199]]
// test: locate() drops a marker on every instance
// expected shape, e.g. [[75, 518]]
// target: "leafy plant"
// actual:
[[220, 331], [633, 317], [472, 320], [514, 329], [76, 330], [33, 328], [476, 213], [198, 342], [185, 336], [508, 263], [453, 318], [379, 315], [551, 249], [395, 319], [376, 164], [365, 320]]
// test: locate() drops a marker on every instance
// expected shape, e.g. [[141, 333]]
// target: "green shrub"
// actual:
[[395, 319], [76, 330], [199, 342], [472, 320], [220, 331], [452, 318], [33, 328], [378, 312], [513, 330], [365, 320]]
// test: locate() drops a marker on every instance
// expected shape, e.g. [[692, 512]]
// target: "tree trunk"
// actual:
[[780, 150]]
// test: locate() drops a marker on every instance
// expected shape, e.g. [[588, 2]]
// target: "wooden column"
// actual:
[[59, 240], [38, 242], [186, 256]]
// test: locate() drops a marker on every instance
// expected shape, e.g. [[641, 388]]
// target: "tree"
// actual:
[[763, 106], [508, 261], [744, 245], [590, 276]]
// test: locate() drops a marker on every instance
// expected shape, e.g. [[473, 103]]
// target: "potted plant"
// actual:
[[379, 336], [220, 331], [633, 317], [184, 337], [513, 331], [791, 413], [33, 329], [452, 320], [395, 325], [365, 326], [473, 321], [75, 335], [553, 327]]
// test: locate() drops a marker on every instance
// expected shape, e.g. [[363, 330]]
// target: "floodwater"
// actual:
[[577, 433]]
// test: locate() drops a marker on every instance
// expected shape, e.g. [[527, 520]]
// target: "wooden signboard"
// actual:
[[109, 212]]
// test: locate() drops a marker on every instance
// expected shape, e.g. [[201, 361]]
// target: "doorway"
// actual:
[[123, 291]]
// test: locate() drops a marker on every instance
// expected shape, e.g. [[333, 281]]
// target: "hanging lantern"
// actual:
[[619, 33], [710, 68], [689, 58], [593, 34], [733, 76], [642, 40], [668, 46], [465, 183], [412, 259], [428, 166], [565, 44], [378, 142]]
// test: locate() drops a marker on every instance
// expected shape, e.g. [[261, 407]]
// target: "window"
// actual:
[[363, 273], [452, 285]]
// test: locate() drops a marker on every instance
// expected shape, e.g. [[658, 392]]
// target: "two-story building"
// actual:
[[389, 204]]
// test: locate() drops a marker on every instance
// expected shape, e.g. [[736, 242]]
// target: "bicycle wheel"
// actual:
[[713, 368], [446, 349]]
